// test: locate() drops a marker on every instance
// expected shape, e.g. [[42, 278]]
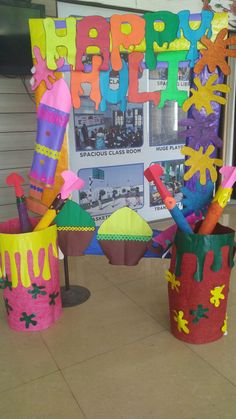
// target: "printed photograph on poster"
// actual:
[[173, 180], [111, 129], [110, 188], [163, 122]]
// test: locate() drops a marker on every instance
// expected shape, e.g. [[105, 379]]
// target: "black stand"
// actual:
[[72, 295]]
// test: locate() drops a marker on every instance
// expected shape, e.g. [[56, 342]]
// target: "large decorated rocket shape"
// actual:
[[52, 118]]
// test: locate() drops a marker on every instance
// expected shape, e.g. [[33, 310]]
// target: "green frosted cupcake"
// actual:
[[75, 229]]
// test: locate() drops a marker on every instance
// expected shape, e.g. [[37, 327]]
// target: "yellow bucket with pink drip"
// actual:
[[29, 276]]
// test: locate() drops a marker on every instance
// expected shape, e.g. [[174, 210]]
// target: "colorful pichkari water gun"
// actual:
[[219, 201], [154, 173], [52, 117], [15, 180], [71, 183]]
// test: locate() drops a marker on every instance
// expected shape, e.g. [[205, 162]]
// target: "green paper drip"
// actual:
[[123, 237], [200, 245], [172, 92], [168, 34]]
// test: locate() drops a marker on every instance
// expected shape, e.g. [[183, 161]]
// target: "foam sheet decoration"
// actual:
[[200, 270], [216, 53], [165, 238], [79, 77], [75, 228], [197, 201], [99, 27], [31, 286], [166, 35], [172, 92], [201, 162], [134, 96], [114, 96], [54, 41], [194, 36], [37, 34], [52, 117], [201, 130], [12, 243], [128, 41], [203, 95], [124, 237], [41, 72]]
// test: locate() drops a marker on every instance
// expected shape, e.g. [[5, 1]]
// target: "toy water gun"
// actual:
[[154, 173], [71, 183], [15, 180], [219, 201]]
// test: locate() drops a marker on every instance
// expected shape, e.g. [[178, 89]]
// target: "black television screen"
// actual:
[[15, 47]]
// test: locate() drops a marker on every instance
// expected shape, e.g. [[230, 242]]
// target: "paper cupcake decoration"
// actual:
[[124, 237], [75, 229]]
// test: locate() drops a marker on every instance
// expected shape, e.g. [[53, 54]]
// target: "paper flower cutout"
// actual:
[[204, 95], [200, 162], [41, 71], [5, 283], [182, 323], [217, 295], [28, 319], [224, 328], [216, 53], [172, 280], [37, 290], [199, 313], [198, 200], [201, 129], [7, 306], [53, 297]]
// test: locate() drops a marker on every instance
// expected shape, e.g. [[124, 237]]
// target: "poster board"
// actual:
[[133, 140]]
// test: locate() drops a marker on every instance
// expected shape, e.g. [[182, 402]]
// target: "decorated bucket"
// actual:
[[29, 277], [198, 284]]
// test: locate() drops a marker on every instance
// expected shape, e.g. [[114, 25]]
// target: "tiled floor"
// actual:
[[113, 357]]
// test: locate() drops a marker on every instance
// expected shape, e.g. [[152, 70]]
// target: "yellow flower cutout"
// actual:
[[172, 280], [204, 95], [217, 295], [182, 323], [224, 328], [200, 162]]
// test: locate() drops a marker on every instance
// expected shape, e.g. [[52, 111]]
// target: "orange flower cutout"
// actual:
[[216, 53]]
